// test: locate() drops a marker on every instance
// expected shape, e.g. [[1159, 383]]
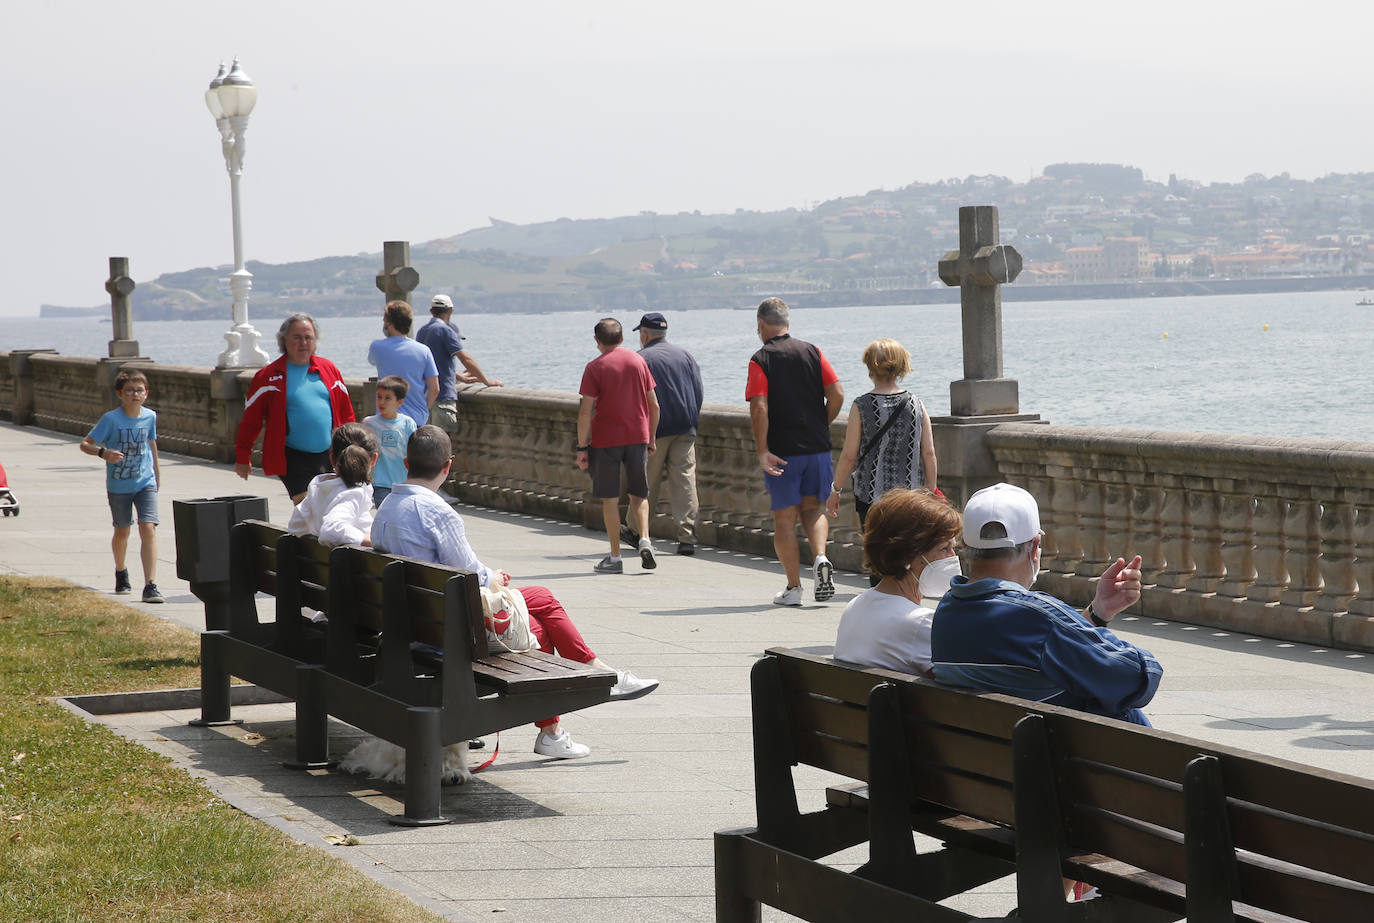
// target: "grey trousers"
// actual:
[[677, 454]]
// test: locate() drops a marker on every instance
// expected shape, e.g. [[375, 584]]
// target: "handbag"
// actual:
[[507, 619], [878, 436]]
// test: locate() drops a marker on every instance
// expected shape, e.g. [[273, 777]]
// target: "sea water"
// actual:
[[1274, 364]]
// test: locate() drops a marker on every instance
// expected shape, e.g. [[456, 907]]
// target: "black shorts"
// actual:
[[604, 466], [301, 468]]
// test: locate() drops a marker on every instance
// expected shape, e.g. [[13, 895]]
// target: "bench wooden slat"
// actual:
[[1294, 839], [1134, 794], [1302, 893], [839, 756], [536, 671], [936, 747]]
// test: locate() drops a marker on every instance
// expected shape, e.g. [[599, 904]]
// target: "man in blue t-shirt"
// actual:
[[991, 632], [399, 355], [446, 344]]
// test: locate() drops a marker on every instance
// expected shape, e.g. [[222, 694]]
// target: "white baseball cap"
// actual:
[[441, 301], [1007, 504]]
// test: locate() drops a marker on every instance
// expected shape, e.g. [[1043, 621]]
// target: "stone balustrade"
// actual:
[[1264, 535], [1267, 536], [517, 452]]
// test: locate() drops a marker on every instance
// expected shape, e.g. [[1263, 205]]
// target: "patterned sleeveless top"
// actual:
[[896, 460]]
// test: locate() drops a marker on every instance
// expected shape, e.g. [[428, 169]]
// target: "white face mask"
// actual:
[[937, 574]]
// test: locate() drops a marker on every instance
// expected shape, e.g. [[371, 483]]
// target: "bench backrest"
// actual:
[[351, 585], [294, 569], [1272, 835]]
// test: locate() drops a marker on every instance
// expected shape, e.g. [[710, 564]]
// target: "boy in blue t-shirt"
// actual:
[[126, 440], [393, 430]]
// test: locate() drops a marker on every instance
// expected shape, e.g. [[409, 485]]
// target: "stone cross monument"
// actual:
[[982, 398], [120, 287], [979, 267], [397, 278]]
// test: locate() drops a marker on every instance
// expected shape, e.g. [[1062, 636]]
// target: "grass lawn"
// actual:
[[94, 827]]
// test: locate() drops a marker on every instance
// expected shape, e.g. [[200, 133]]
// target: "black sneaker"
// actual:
[[687, 548], [151, 594], [122, 584], [629, 536]]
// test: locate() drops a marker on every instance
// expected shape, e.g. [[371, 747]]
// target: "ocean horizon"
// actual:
[[1278, 364]]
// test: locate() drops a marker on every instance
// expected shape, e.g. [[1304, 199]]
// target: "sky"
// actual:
[[413, 121]]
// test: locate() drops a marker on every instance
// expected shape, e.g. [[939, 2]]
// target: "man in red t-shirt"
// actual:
[[616, 423]]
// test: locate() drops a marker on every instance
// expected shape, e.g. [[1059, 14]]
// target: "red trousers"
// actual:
[[554, 630]]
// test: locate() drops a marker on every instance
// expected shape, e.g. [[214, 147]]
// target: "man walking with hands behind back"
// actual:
[[793, 396], [677, 380], [616, 422]]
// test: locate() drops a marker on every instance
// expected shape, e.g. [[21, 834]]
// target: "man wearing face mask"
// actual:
[[991, 632], [909, 542]]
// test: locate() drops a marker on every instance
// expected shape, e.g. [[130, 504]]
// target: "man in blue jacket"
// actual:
[[991, 632]]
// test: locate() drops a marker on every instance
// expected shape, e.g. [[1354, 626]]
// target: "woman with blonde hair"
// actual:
[[888, 442], [910, 544]]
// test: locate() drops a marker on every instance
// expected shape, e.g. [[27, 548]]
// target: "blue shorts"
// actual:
[[802, 476], [123, 506]]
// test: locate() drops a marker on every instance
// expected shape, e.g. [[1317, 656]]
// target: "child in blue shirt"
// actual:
[[126, 440], [393, 430]]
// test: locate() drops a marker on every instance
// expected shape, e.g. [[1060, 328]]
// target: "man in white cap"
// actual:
[[446, 343], [991, 632]]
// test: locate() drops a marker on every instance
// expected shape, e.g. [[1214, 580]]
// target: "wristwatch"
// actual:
[[101, 454], [1093, 617]]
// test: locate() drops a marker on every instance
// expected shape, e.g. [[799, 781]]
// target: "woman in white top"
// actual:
[[338, 506], [910, 542]]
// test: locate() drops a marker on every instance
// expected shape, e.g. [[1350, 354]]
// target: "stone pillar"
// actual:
[[397, 278], [21, 412], [982, 398], [120, 287]]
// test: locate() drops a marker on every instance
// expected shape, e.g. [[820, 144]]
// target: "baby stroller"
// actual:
[[9, 503]]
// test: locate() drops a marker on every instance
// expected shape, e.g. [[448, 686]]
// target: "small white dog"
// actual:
[[387, 762]]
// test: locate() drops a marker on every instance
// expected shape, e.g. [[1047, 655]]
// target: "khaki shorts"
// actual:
[[444, 414]]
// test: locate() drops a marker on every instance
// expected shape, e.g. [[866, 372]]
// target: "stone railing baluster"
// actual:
[[1302, 550], [1271, 572], [1336, 526], [1175, 538], [1237, 541]]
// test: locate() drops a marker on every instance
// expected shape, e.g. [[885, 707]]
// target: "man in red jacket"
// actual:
[[300, 398]]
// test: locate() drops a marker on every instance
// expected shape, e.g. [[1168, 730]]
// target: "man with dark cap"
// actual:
[[679, 406]]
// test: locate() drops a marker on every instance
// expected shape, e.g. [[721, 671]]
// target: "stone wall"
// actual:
[[1268, 536], [516, 452], [1262, 535]]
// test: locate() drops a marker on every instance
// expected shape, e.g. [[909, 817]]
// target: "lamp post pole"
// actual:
[[231, 98]]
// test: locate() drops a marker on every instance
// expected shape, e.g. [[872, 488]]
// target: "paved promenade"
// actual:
[[624, 834]]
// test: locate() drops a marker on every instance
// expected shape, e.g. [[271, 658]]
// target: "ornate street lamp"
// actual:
[[231, 98]]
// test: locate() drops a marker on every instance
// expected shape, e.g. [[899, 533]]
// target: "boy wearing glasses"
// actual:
[[126, 440]]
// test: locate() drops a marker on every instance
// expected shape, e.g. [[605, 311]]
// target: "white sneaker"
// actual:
[[628, 686], [646, 555], [825, 582], [561, 747], [789, 597]]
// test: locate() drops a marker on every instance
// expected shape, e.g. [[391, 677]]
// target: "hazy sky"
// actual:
[[411, 121]]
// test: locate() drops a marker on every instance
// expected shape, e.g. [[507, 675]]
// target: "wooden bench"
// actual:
[[402, 656], [1162, 824]]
